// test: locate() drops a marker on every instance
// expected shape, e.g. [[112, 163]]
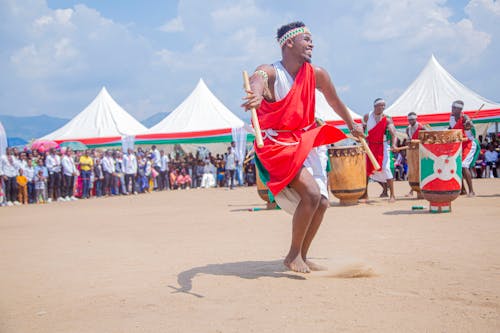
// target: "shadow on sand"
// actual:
[[242, 269], [408, 212]]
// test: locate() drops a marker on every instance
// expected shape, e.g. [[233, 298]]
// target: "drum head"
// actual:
[[288, 200]]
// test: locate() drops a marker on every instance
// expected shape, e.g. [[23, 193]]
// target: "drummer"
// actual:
[[381, 140], [470, 151], [414, 127]]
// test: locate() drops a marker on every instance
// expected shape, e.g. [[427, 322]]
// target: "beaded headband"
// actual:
[[292, 33], [378, 101], [412, 117], [459, 105]]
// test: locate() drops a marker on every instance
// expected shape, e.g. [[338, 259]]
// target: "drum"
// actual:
[[412, 156], [261, 187], [347, 176], [440, 168]]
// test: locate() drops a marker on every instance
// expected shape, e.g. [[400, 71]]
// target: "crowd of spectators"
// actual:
[[28, 177]]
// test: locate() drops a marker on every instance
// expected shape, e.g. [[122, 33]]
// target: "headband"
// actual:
[[292, 33], [379, 101], [412, 117], [459, 105]]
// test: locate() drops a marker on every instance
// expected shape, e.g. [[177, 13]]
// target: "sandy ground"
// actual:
[[199, 261]]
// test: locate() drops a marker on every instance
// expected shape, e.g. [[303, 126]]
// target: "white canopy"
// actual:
[[101, 119], [325, 112], [200, 111], [433, 91]]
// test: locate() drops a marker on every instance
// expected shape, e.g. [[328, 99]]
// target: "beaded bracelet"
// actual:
[[262, 74]]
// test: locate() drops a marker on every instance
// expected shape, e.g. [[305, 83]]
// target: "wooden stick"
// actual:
[[255, 120], [368, 151], [475, 113]]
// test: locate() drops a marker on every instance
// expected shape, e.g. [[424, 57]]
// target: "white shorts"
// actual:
[[288, 199], [470, 156], [385, 172]]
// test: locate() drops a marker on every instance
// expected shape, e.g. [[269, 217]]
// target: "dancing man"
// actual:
[[381, 132], [470, 151], [284, 95]]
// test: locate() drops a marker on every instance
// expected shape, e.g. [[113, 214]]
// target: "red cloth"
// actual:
[[415, 135], [466, 145], [292, 114], [375, 140]]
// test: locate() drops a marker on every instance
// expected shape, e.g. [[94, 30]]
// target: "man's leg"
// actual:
[[310, 197], [468, 179], [390, 184], [311, 232]]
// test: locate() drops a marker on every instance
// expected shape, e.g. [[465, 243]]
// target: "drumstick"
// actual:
[[368, 151], [475, 113], [255, 120]]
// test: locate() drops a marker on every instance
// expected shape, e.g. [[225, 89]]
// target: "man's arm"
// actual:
[[325, 85], [260, 82], [392, 130]]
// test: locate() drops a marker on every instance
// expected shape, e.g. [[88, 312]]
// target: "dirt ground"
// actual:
[[200, 261]]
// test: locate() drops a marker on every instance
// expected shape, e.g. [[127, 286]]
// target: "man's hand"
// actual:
[[357, 131], [252, 100]]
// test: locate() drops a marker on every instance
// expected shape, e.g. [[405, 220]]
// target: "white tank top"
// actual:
[[283, 83], [371, 123]]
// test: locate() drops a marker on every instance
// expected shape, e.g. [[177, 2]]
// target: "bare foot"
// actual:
[[315, 267], [297, 265], [383, 195], [420, 195], [471, 194], [392, 199]]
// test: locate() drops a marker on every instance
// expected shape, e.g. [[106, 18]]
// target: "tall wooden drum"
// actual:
[[412, 156], [440, 168], [347, 176]]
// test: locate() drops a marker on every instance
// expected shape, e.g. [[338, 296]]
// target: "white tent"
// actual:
[[3, 140], [200, 111], [101, 120], [325, 112], [200, 120], [431, 96]]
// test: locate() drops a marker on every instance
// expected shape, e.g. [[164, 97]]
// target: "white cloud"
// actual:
[[174, 25]]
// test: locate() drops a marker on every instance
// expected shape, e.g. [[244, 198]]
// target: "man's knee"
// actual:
[[323, 204]]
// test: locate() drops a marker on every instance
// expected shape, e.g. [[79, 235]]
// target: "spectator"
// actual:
[[98, 178], [108, 167], [163, 176], [29, 172], [130, 169], [491, 160], [40, 187], [22, 183], [68, 172], [86, 166], [9, 166], [184, 180], [230, 167], [53, 163]]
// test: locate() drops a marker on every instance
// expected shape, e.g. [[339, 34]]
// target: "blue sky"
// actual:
[[56, 55]]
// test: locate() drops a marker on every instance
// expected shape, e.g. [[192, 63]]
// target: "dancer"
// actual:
[[381, 132], [283, 94], [470, 151]]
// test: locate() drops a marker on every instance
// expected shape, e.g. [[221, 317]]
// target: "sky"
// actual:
[[55, 55]]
